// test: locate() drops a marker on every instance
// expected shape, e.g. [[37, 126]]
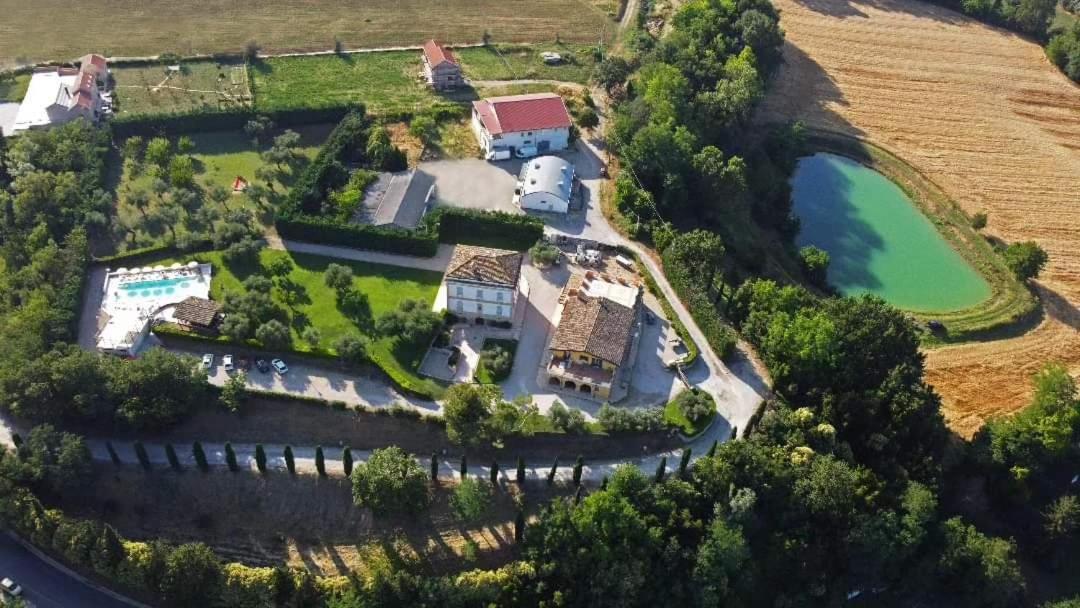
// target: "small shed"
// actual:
[[239, 184]]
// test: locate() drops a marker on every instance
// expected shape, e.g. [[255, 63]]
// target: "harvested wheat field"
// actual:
[[983, 114]]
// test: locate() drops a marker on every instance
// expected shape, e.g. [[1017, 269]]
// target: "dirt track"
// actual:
[[982, 113]]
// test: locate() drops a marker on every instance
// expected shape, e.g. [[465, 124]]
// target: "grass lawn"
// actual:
[[151, 89], [219, 157], [310, 302], [384, 82], [58, 30], [511, 62], [456, 140], [14, 88], [674, 416]]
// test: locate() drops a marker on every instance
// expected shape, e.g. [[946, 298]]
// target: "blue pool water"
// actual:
[[146, 289]]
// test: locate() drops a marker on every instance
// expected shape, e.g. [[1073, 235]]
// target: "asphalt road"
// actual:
[[44, 586]]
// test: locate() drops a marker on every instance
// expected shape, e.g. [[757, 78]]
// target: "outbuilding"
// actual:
[[546, 183]]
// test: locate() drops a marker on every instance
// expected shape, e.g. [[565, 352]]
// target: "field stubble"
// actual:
[[984, 115]]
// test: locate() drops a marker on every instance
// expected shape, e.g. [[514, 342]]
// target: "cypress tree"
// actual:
[[200, 457], [320, 461], [661, 470], [108, 551], [712, 450], [603, 483], [346, 461], [494, 474], [434, 467], [140, 453], [170, 454], [734, 432], [521, 471], [578, 465], [519, 527], [290, 463], [113, 456], [551, 473], [577, 495], [17, 440], [230, 458], [684, 462], [464, 466], [260, 458]]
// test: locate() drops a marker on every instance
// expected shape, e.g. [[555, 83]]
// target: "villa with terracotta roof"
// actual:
[[482, 283], [596, 325], [58, 95], [514, 121], [441, 69]]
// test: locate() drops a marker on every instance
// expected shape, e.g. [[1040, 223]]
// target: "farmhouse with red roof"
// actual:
[[540, 120], [441, 69], [60, 94]]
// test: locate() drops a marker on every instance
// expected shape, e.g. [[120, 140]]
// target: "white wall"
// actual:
[[472, 300], [558, 139], [544, 201]]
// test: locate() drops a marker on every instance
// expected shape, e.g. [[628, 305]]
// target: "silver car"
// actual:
[[10, 587]]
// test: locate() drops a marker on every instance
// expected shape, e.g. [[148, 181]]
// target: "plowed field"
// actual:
[[983, 114]]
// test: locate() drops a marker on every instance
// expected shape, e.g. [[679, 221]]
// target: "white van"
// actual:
[[499, 154]]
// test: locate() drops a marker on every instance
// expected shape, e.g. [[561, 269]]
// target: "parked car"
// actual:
[[227, 363], [526, 152], [208, 361], [10, 587], [262, 365], [499, 154], [280, 366]]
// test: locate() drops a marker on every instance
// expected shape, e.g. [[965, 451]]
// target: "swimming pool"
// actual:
[[158, 287]]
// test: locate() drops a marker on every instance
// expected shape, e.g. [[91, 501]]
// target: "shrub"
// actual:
[[496, 361], [978, 221], [618, 420], [695, 404], [274, 335], [544, 253], [1026, 259], [390, 481], [567, 420], [471, 499], [815, 264]]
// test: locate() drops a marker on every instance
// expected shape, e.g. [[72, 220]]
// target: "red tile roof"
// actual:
[[437, 54], [516, 113]]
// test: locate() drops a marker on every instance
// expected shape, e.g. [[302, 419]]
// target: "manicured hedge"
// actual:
[[134, 257], [201, 119], [722, 338], [485, 228], [360, 236]]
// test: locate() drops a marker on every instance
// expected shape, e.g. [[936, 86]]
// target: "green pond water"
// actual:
[[878, 240]]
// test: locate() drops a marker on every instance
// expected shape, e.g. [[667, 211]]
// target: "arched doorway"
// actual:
[[570, 385], [585, 388]]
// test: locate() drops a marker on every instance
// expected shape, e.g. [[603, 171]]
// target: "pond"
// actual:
[[878, 241]]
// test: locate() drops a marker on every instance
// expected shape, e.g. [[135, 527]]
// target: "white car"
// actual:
[[227, 363], [10, 587], [279, 366], [526, 152], [208, 361]]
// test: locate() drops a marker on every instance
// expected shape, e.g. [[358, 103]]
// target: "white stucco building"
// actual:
[[546, 183], [59, 95], [482, 283], [514, 121]]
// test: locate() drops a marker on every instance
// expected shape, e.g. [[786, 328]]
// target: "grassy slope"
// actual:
[[1010, 305], [383, 81], [315, 304], [14, 89], [510, 62]]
